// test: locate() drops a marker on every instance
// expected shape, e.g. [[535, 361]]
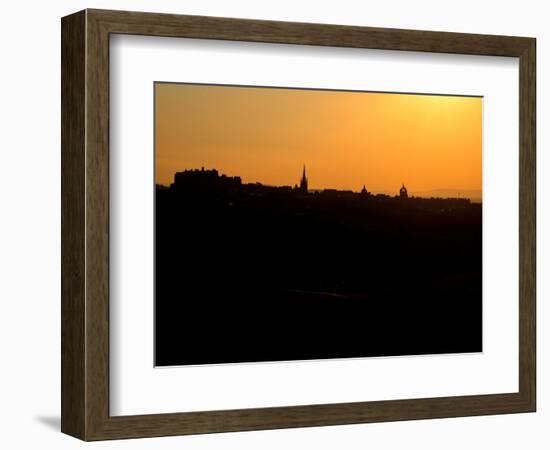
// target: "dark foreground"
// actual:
[[251, 273]]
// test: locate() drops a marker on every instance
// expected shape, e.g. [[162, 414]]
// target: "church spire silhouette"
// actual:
[[303, 182]]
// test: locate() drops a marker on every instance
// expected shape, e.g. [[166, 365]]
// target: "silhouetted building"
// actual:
[[204, 180], [403, 192], [303, 182], [364, 191]]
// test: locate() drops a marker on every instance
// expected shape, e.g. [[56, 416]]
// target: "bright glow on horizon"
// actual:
[[431, 143]]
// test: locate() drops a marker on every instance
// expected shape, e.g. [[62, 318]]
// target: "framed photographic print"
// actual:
[[273, 224]]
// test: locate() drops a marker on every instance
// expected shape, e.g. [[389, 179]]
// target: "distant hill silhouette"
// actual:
[[473, 194], [247, 272]]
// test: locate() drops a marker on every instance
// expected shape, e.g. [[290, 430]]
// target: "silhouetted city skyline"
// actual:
[[296, 224], [204, 175]]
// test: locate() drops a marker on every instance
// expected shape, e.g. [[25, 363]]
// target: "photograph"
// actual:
[[298, 224]]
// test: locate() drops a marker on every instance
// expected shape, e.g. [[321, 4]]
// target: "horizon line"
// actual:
[[316, 189]]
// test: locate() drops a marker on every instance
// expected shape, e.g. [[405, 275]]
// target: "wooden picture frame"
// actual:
[[85, 224]]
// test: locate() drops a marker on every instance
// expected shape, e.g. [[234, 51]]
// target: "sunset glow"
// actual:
[[431, 143]]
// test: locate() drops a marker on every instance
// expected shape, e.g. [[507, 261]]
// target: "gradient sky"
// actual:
[[346, 139]]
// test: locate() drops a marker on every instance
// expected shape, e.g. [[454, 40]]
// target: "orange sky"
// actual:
[[346, 139]]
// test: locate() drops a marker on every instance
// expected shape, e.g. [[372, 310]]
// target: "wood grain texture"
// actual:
[[73, 373], [97, 226], [152, 24], [85, 224], [527, 224]]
